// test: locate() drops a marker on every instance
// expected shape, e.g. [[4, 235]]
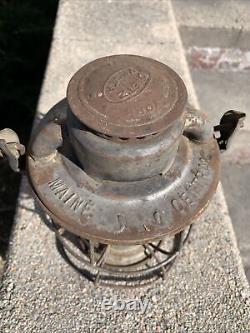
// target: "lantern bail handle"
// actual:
[[47, 137]]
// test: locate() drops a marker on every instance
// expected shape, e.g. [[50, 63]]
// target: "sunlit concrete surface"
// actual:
[[205, 291]]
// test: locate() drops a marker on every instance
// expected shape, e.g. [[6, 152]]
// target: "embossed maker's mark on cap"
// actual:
[[125, 84]]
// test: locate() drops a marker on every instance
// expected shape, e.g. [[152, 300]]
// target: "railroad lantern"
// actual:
[[123, 166]]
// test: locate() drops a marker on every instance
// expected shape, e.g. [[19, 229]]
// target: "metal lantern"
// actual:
[[123, 166]]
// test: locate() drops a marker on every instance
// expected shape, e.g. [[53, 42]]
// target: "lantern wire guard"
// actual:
[[89, 259]]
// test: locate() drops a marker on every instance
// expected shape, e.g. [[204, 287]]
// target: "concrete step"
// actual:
[[205, 291], [236, 185], [217, 48], [220, 91], [222, 23], [216, 37]]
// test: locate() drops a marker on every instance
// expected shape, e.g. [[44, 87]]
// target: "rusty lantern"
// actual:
[[123, 166]]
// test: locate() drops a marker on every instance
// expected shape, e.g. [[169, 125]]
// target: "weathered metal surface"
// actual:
[[124, 212], [118, 265], [124, 160], [152, 261], [122, 167], [229, 123], [11, 148], [126, 96]]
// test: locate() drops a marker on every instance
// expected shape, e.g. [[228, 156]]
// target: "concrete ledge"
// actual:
[[227, 14], [205, 291], [221, 23]]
